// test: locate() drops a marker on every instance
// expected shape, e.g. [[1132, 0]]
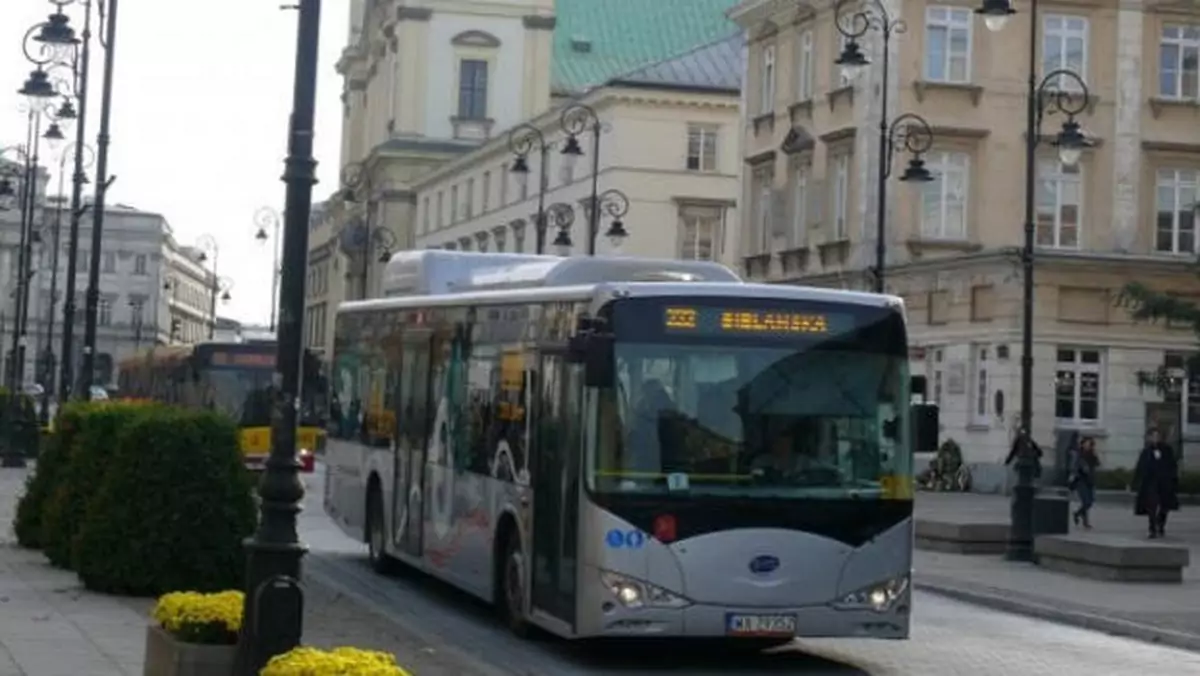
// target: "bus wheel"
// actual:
[[512, 587], [377, 535]]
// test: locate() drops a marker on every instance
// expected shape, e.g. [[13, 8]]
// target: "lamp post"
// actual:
[[1071, 143], [81, 67], [273, 614], [361, 237], [264, 218], [576, 119], [221, 286], [103, 181], [523, 140], [136, 310], [915, 136]]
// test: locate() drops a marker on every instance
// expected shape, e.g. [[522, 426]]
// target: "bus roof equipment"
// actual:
[[433, 272]]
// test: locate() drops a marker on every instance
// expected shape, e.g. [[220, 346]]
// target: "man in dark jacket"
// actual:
[[1156, 480]]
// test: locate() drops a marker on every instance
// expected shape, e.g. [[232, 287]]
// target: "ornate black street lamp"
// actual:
[[1045, 96], [273, 617], [576, 119], [523, 140], [914, 134], [615, 205], [103, 181], [264, 218]]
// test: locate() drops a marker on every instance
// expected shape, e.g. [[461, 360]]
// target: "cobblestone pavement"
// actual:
[[949, 637], [1169, 612]]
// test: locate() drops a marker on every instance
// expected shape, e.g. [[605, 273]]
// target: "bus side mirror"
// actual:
[[599, 365], [925, 428]]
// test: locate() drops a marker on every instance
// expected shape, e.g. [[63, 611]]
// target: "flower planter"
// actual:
[[168, 656]]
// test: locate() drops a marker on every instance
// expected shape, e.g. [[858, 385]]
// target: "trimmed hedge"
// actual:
[[40, 486], [172, 510], [91, 445]]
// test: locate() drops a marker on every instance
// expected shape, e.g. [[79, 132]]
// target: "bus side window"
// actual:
[[482, 372]]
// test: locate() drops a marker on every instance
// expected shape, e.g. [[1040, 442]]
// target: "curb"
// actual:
[[1050, 613]]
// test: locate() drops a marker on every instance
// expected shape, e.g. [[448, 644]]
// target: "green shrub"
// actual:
[[172, 510], [51, 465], [91, 445]]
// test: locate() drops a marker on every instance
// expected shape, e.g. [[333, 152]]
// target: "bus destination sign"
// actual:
[[244, 359], [709, 320]]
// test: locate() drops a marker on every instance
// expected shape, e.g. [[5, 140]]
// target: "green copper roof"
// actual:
[[626, 34]]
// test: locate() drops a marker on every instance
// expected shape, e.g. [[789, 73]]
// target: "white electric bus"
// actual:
[[631, 447]]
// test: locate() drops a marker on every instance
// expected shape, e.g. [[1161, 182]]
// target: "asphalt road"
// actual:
[[949, 637]]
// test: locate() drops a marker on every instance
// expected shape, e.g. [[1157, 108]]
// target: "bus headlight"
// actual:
[[877, 597], [634, 594]]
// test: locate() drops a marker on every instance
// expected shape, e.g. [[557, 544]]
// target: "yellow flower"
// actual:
[[201, 618], [304, 661]]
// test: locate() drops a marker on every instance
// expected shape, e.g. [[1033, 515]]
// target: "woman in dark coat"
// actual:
[[1156, 480]]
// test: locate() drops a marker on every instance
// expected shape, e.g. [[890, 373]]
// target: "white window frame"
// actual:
[[841, 196], [454, 205], [705, 138], [1064, 179], [469, 199], [936, 372], [761, 186], [104, 312], [425, 215], [766, 94], [980, 386], [1077, 368], [441, 209], [1178, 181], [955, 19], [694, 219], [1064, 28], [141, 264], [1174, 35], [944, 164], [486, 196], [805, 65], [800, 172]]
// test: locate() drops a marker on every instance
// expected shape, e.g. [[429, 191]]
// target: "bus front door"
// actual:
[[556, 488]]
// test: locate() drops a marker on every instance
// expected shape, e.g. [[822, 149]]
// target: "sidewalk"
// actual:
[[51, 626], [1161, 613]]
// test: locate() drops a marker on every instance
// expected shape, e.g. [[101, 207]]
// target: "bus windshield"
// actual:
[[710, 411], [243, 394]]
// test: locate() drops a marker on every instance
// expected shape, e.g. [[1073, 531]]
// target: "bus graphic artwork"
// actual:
[[627, 447]]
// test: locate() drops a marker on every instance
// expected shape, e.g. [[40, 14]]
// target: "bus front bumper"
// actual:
[[757, 623]]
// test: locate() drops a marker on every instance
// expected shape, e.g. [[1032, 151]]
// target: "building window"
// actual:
[[1077, 386], [1175, 202], [1185, 386], [504, 185], [1179, 62], [472, 89], [841, 194], [979, 395], [441, 213], [425, 215], [799, 202], [763, 178], [1065, 46], [110, 261], [469, 205], [1058, 205], [944, 199], [104, 312], [487, 192], [948, 44], [700, 229], [702, 148], [766, 100], [139, 264], [454, 204], [805, 67], [136, 307]]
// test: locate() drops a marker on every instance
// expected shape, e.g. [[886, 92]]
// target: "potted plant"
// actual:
[[194, 634], [304, 661]]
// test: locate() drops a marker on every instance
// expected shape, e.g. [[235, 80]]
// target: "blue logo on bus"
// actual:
[[619, 539], [761, 565]]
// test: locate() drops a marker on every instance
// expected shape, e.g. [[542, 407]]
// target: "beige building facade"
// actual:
[[1125, 212], [669, 145]]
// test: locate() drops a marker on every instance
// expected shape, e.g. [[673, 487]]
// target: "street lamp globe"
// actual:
[[616, 234], [996, 14], [66, 111], [852, 60], [571, 153], [37, 86], [261, 235], [562, 243], [1071, 143], [520, 171], [54, 135]]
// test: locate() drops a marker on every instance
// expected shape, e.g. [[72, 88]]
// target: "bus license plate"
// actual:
[[760, 625]]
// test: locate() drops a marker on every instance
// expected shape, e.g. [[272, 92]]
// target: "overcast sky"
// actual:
[[201, 101]]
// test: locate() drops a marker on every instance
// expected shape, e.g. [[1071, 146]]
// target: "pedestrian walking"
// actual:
[[1082, 478], [1156, 480]]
